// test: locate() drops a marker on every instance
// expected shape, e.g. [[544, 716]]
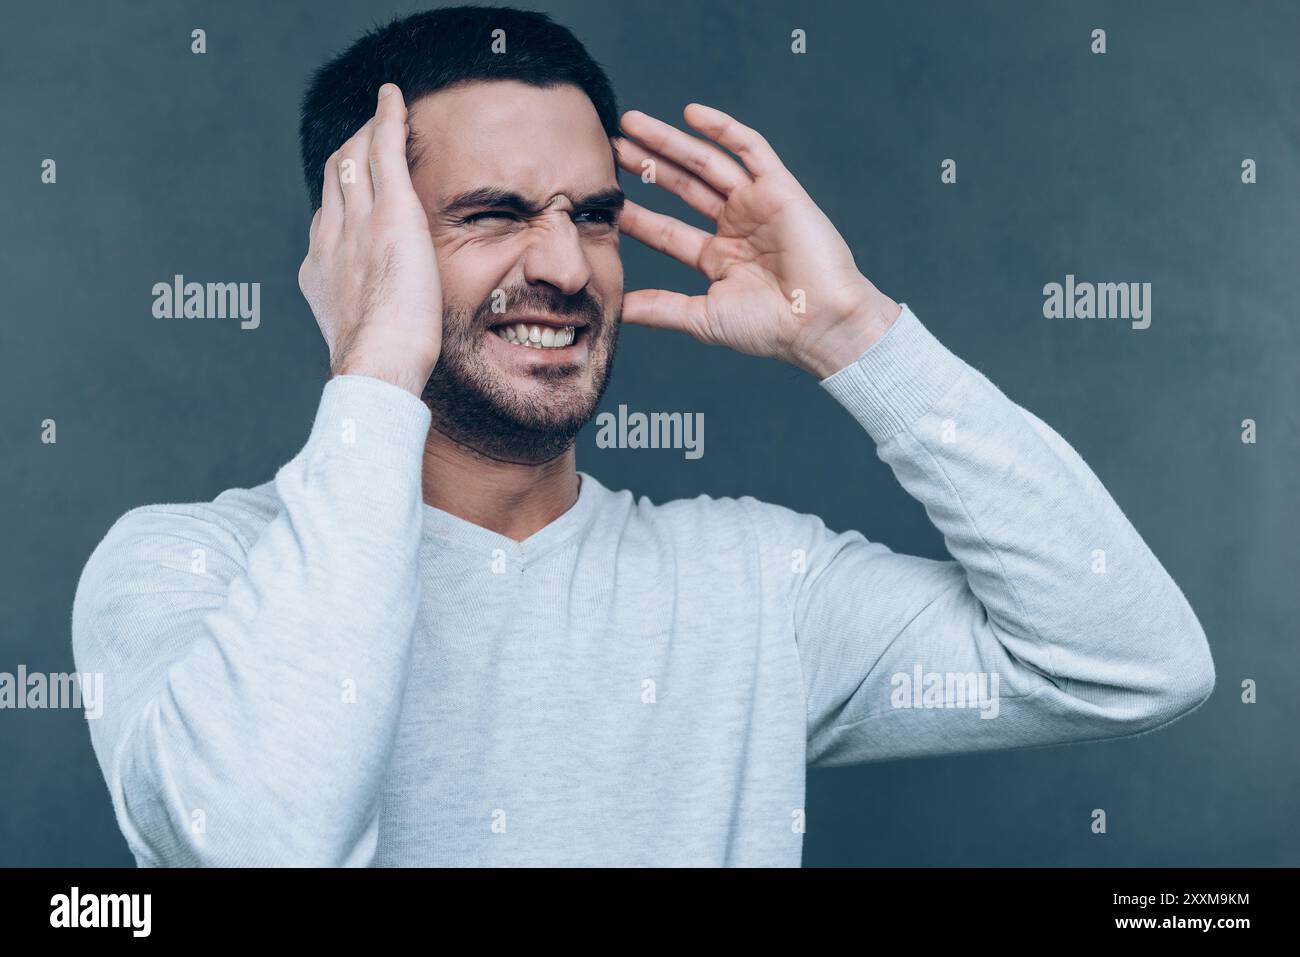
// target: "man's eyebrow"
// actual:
[[496, 197]]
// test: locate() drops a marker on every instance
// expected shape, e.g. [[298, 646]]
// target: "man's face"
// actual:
[[548, 270]]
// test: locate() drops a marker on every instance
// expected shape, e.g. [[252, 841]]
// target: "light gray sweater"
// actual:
[[323, 670]]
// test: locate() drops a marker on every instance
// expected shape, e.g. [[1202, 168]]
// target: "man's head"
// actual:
[[510, 153]]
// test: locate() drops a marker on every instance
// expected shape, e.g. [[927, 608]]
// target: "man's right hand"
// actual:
[[371, 275]]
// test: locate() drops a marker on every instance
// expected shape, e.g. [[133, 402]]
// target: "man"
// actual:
[[430, 640]]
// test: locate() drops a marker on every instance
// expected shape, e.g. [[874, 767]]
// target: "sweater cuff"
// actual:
[[370, 420], [898, 379]]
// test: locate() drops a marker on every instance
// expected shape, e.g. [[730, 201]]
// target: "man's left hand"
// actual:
[[783, 281]]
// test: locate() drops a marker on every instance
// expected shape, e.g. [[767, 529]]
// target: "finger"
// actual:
[[354, 173], [314, 227], [661, 309], [388, 170], [703, 159], [664, 233], [747, 143], [697, 194], [331, 196]]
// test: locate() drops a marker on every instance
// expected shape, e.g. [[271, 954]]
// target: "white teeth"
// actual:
[[538, 337]]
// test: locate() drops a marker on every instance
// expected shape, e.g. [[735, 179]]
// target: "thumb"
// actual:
[[661, 309]]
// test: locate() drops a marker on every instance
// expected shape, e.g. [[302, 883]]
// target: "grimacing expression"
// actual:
[[522, 195]]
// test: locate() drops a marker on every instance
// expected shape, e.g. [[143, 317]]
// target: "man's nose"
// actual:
[[555, 256]]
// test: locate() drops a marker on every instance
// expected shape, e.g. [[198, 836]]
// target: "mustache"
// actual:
[[581, 305]]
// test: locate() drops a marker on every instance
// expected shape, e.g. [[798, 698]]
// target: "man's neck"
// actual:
[[509, 499]]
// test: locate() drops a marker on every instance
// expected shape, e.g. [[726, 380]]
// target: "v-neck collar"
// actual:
[[454, 530]]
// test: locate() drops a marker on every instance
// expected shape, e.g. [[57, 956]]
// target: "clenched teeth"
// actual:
[[537, 337]]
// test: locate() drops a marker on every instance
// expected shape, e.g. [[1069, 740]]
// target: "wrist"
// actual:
[[846, 341], [401, 374]]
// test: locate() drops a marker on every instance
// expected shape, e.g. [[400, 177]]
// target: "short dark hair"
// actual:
[[434, 50]]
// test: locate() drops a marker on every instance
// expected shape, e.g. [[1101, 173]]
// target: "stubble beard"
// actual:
[[475, 407]]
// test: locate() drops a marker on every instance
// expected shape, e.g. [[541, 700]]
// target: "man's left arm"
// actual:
[[1052, 591], [1055, 622]]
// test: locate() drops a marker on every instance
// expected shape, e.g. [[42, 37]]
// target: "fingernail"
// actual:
[[386, 90]]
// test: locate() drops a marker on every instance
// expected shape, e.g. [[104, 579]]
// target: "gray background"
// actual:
[[1122, 167]]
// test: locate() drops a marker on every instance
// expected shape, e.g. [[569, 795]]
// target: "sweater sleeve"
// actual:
[[252, 688], [1054, 624]]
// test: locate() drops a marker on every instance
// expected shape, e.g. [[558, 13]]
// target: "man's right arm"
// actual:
[[253, 688], [252, 693]]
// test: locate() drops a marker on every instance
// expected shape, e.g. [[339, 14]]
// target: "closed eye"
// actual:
[[477, 216], [604, 216]]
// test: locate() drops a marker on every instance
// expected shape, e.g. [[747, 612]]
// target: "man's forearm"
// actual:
[[264, 737], [1052, 590]]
